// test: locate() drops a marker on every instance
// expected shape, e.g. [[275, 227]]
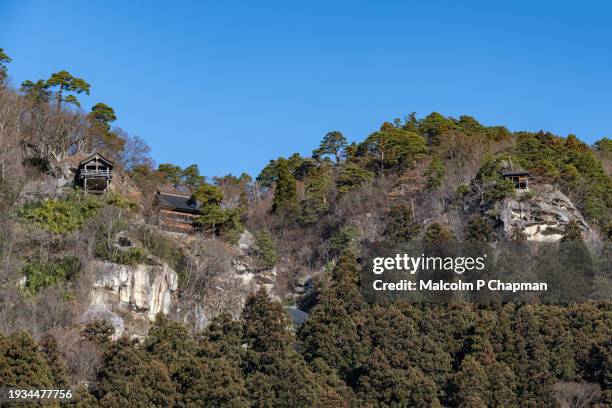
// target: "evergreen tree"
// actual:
[[391, 387], [103, 114], [191, 176], [223, 337], [6, 373], [275, 374], [36, 92], [170, 172], [130, 377], [470, 385], [316, 190], [199, 380], [266, 324], [434, 174], [352, 177], [333, 144], [394, 147], [104, 140], [65, 82], [531, 362], [55, 361], [331, 332], [478, 230], [437, 236], [26, 366], [4, 59], [98, 332], [434, 125], [266, 249], [214, 218], [285, 193], [401, 225], [219, 384]]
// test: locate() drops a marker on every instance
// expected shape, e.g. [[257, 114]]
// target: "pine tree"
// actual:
[[4, 59], [531, 362], [266, 324], [332, 331], [352, 177], [316, 189], [285, 193], [223, 337], [391, 387], [36, 92], [275, 374], [6, 373], [434, 173], [130, 377], [401, 225], [333, 144], [470, 385], [65, 82], [55, 360], [478, 230]]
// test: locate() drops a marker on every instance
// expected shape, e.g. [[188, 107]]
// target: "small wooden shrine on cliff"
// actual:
[[94, 173]]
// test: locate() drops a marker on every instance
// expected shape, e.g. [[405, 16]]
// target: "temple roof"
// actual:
[[515, 173], [97, 156], [177, 202]]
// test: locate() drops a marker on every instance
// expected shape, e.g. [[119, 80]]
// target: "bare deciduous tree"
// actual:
[[576, 395]]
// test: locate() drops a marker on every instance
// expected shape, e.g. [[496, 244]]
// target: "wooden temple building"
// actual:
[[176, 212], [94, 173], [520, 178]]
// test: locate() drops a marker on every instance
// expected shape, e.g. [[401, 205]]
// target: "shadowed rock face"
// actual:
[[541, 218], [144, 289]]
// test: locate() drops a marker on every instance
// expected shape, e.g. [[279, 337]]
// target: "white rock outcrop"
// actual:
[[143, 289], [542, 217], [246, 241]]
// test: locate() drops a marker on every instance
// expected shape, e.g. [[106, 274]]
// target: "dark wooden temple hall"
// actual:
[[519, 177], [94, 173], [176, 212]]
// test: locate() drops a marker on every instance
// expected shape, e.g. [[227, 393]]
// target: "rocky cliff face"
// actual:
[[539, 215], [135, 292], [220, 278]]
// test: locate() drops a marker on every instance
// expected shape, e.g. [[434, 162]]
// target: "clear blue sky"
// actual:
[[229, 85]]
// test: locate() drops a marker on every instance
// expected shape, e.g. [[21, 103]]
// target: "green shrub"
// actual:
[[65, 215], [265, 248], [42, 274], [61, 216], [120, 201], [159, 245], [132, 256], [462, 190], [129, 256]]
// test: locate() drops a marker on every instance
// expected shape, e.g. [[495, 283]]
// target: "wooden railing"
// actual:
[[89, 172]]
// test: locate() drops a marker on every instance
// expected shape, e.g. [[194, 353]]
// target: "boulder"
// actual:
[[246, 241]]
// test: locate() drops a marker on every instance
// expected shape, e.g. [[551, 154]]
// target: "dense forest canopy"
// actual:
[[437, 179]]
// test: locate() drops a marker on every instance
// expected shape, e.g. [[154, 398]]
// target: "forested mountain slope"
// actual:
[[292, 235]]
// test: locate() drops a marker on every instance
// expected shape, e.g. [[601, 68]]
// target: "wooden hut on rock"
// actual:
[[95, 173]]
